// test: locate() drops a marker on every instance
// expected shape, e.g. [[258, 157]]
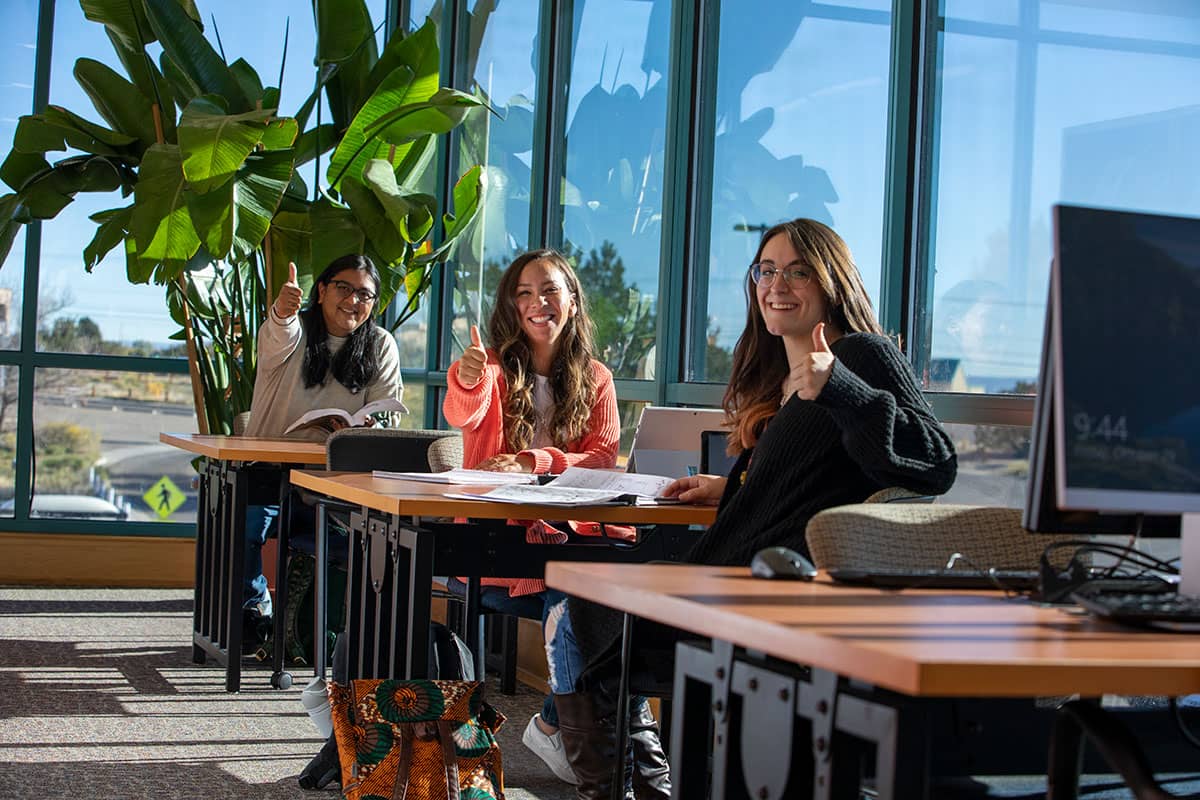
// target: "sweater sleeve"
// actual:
[[277, 339], [887, 425], [597, 448], [468, 408]]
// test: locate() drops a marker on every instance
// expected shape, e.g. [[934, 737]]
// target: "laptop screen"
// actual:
[[668, 440]]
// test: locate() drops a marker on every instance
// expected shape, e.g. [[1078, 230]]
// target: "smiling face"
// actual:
[[793, 310], [341, 301], [544, 304]]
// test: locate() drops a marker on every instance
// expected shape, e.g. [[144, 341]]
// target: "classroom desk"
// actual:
[[229, 464], [865, 651], [397, 546]]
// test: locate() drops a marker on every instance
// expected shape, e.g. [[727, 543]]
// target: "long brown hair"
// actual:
[[759, 361], [571, 382]]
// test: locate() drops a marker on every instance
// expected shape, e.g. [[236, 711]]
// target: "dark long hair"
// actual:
[[356, 363], [759, 360], [571, 379]]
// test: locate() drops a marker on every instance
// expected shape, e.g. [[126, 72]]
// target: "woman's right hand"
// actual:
[[290, 297], [473, 361], [703, 490]]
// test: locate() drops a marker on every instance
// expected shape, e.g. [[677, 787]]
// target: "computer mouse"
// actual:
[[781, 562]]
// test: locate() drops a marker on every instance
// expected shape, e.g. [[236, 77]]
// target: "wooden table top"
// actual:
[[925, 642], [247, 448], [413, 498]]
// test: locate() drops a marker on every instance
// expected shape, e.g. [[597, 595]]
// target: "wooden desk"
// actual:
[[918, 643], [397, 548], [229, 462]]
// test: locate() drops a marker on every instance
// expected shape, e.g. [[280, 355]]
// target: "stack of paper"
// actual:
[[581, 487], [468, 477]]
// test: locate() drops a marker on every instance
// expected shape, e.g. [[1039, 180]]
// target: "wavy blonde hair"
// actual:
[[759, 360], [572, 383]]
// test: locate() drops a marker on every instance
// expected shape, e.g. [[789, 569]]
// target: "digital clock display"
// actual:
[[1129, 350]]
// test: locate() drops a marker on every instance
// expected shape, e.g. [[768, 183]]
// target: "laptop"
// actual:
[[668, 441]]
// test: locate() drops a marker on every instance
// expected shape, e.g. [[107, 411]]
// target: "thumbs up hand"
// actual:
[[287, 303], [808, 377], [473, 362]]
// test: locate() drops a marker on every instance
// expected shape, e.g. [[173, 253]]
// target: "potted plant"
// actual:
[[210, 168]]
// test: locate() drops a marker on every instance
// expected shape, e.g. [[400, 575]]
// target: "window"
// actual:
[[800, 131]]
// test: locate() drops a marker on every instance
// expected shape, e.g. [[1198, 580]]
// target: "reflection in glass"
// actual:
[[993, 465], [1108, 120], [16, 99], [96, 435], [630, 412], [801, 121], [9, 383], [502, 70], [612, 192]]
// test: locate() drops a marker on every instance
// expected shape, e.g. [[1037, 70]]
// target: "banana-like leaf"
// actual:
[[48, 193], [324, 74], [57, 129], [161, 224], [411, 214], [117, 100], [443, 112], [355, 148], [150, 82], [248, 79], [318, 141], [280, 134], [212, 216], [8, 225], [416, 157], [126, 21], [335, 232], [258, 190], [186, 46], [400, 51], [291, 240], [345, 37], [215, 144], [19, 167], [382, 232], [468, 194], [111, 231], [182, 86]]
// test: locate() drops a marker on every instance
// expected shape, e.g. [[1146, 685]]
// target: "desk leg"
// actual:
[[622, 721], [281, 678], [202, 588], [473, 626], [320, 623], [234, 567], [417, 544]]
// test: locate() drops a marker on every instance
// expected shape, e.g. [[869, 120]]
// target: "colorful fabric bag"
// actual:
[[417, 740]]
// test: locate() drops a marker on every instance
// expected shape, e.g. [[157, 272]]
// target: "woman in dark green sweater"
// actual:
[[823, 410]]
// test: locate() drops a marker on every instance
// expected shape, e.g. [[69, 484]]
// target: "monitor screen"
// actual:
[[1126, 335]]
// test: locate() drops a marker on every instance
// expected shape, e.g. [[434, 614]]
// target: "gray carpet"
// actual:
[[98, 696]]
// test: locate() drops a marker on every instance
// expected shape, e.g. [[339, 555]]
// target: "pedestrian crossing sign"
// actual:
[[164, 497]]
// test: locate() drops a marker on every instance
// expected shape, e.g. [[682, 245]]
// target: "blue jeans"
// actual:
[[260, 521], [529, 606]]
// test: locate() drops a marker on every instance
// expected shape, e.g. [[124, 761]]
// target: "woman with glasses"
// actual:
[[824, 410], [328, 355]]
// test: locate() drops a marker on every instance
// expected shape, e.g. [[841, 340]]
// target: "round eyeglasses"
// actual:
[[344, 290], [766, 274]]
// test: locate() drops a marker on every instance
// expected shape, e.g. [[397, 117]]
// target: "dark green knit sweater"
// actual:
[[869, 429]]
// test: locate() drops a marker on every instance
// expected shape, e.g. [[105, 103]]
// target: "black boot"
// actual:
[[651, 770], [589, 737]]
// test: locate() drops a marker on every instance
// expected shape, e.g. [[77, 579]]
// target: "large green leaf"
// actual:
[[335, 232], [248, 79], [150, 82], [258, 189], [291, 240], [212, 216], [382, 233], [117, 100], [468, 193], [46, 194], [443, 112], [8, 225], [345, 37], [110, 232], [186, 46], [401, 50], [280, 134], [126, 19], [318, 141], [161, 224], [410, 213], [56, 129], [356, 148], [215, 144], [19, 167]]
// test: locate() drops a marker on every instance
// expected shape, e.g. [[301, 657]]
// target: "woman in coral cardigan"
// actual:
[[537, 401]]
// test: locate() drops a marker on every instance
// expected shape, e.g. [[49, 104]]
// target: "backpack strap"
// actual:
[[400, 790], [449, 758]]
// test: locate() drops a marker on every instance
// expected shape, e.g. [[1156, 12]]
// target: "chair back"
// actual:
[[395, 449], [445, 453], [899, 536], [240, 423]]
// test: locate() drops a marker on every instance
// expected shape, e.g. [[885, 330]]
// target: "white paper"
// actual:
[[469, 477], [579, 486]]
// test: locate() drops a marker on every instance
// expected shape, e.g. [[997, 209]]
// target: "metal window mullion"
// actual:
[[550, 124], [1020, 207]]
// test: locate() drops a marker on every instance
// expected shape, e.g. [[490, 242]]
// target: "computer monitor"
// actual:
[[1116, 435]]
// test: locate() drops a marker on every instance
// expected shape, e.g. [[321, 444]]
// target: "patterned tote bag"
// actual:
[[417, 740]]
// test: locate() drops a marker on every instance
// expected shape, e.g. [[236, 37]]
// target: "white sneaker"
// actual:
[[550, 750]]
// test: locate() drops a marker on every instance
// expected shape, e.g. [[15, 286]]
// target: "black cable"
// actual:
[[1193, 740]]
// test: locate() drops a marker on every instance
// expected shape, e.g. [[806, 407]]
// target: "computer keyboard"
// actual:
[[1141, 608]]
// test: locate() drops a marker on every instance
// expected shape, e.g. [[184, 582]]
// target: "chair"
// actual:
[[445, 453], [240, 423]]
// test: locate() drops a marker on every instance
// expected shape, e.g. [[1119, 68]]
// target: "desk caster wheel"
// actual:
[[281, 680]]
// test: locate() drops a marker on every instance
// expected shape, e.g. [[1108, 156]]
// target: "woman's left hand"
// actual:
[[809, 377], [507, 462]]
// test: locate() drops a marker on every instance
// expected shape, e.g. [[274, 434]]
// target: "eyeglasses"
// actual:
[[344, 290], [766, 275]]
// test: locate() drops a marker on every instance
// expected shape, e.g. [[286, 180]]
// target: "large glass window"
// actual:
[[612, 189], [502, 68], [800, 131], [1083, 102]]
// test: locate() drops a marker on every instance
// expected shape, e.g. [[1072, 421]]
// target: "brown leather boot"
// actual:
[[589, 737], [651, 770]]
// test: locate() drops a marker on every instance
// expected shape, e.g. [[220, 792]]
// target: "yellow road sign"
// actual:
[[164, 497]]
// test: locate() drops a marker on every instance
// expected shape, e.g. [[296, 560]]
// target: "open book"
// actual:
[[334, 419], [579, 486], [471, 477]]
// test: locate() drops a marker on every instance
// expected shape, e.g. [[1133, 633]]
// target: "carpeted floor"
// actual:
[[98, 697]]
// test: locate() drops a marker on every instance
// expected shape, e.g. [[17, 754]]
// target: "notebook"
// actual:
[[668, 440]]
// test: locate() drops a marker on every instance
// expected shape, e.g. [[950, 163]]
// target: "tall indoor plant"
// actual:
[[219, 206]]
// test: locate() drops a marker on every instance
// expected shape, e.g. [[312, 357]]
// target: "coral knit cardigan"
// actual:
[[479, 412]]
